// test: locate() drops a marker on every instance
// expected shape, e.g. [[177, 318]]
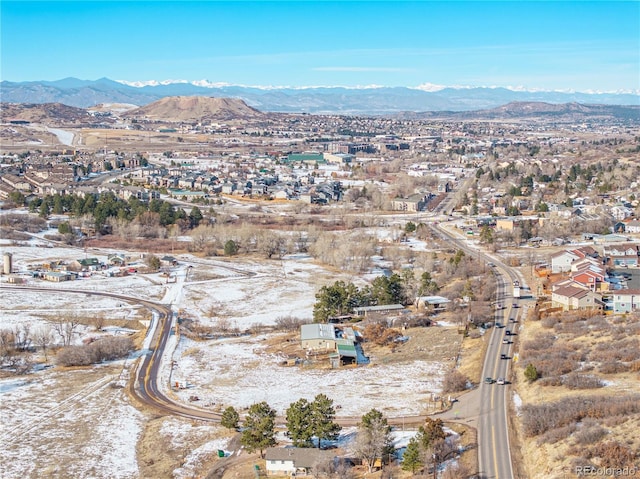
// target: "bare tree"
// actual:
[[7, 344], [43, 337], [373, 439], [66, 326]]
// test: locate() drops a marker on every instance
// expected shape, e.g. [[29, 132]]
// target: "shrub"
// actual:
[[613, 367], [105, 349], [289, 323], [581, 381], [614, 454], [454, 381], [555, 435], [537, 419], [589, 435], [531, 373]]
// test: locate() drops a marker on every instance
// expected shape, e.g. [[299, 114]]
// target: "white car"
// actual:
[[500, 381]]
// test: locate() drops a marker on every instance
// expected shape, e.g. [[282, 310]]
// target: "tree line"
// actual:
[[342, 298], [107, 205]]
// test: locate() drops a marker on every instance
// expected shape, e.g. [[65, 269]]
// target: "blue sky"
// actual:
[[537, 45]]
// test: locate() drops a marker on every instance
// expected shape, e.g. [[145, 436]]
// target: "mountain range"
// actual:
[[319, 100]]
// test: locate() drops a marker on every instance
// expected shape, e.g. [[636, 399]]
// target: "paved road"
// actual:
[[145, 384], [494, 452]]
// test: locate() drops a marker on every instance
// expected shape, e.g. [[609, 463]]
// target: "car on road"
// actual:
[[504, 356], [488, 380], [515, 305], [506, 341], [500, 381], [507, 333], [498, 324]]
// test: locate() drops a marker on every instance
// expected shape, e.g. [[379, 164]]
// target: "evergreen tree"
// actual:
[[531, 373], [230, 248], [412, 458], [195, 217], [230, 418], [322, 419], [299, 427], [44, 210], [258, 428], [334, 300]]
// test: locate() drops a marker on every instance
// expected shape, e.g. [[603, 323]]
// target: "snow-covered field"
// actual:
[[92, 430], [237, 372], [68, 424]]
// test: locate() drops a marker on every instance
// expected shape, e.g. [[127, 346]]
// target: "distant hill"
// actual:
[[42, 112], [515, 110], [340, 100], [195, 108]]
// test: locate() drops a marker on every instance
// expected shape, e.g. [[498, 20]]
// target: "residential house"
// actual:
[[590, 273], [85, 264], [318, 336], [293, 461], [413, 203], [380, 309], [58, 276], [561, 261], [625, 300], [436, 302], [17, 182], [620, 212], [570, 295], [632, 226], [117, 259], [627, 254]]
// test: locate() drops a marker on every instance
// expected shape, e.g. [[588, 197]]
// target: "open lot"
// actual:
[[77, 410]]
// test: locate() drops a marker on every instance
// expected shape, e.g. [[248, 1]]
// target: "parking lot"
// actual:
[[634, 273]]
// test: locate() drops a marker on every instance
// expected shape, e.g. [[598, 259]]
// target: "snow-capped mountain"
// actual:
[[366, 99]]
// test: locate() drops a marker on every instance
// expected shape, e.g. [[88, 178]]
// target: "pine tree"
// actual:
[[299, 423], [411, 459], [258, 433], [230, 418], [322, 419], [531, 373]]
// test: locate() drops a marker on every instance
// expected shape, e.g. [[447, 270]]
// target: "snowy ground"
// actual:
[[91, 430], [237, 372], [68, 424]]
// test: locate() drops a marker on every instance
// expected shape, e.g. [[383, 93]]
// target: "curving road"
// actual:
[[145, 384], [494, 452]]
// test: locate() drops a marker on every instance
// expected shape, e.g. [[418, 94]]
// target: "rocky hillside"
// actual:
[[195, 108]]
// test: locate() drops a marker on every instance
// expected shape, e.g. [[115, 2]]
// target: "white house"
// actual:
[[561, 261], [293, 461], [626, 300]]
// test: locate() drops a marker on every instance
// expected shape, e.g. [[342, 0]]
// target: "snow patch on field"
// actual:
[[237, 371]]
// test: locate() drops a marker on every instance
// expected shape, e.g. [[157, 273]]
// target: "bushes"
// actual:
[[613, 367], [289, 323], [589, 434], [581, 381], [454, 381], [537, 419], [105, 349]]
